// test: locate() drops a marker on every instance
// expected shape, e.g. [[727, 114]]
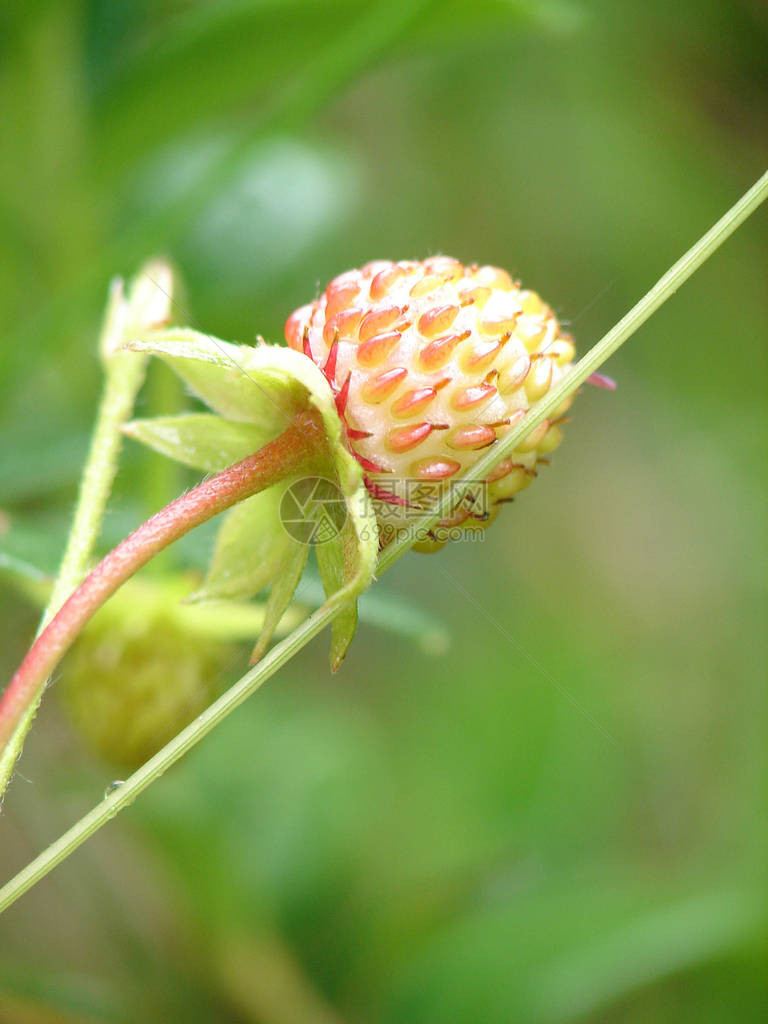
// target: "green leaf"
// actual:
[[251, 548], [338, 560], [200, 440], [281, 595], [21, 568]]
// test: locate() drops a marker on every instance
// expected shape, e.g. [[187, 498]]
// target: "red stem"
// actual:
[[295, 450]]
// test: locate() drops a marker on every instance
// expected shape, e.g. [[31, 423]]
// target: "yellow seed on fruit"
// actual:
[[378, 321], [437, 321], [539, 379], [342, 325], [511, 420], [445, 267], [477, 296], [340, 296], [480, 355], [498, 325], [531, 303], [563, 408], [425, 285], [374, 351], [533, 440], [494, 277], [513, 375], [552, 439], [531, 332], [385, 281], [561, 350], [512, 483]]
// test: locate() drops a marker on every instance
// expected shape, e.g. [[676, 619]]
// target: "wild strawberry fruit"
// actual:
[[431, 363]]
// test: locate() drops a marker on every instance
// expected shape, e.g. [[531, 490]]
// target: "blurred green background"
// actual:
[[433, 838]]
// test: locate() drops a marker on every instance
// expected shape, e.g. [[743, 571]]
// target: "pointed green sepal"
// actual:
[[281, 596], [200, 440], [263, 384], [257, 392], [250, 550]]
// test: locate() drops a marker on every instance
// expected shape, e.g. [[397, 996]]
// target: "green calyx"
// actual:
[[255, 393]]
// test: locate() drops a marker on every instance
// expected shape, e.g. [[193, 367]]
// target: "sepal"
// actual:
[[257, 392], [250, 550], [199, 440]]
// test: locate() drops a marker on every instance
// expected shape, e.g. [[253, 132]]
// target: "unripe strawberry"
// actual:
[[140, 672], [130, 694], [147, 664], [431, 363]]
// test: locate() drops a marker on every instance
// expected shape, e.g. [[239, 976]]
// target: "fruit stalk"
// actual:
[[297, 449]]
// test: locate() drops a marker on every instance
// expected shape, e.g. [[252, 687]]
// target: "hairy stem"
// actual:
[[294, 450], [116, 407], [120, 389], [124, 374], [185, 740]]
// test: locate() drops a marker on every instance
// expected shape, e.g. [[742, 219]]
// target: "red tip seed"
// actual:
[[438, 352], [503, 469], [377, 322], [413, 401], [473, 396], [294, 326], [435, 469], [378, 388], [473, 437], [374, 351], [385, 281], [437, 321], [402, 439], [481, 355], [339, 296], [343, 324]]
